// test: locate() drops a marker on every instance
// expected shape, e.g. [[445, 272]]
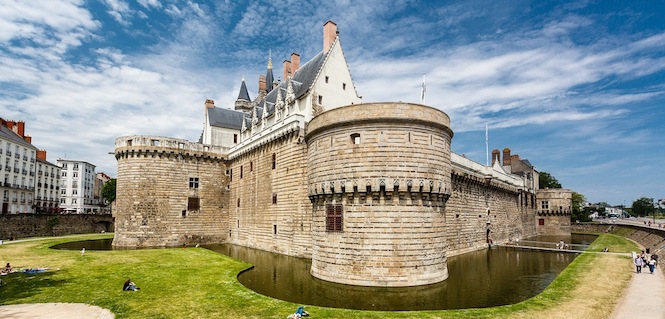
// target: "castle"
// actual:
[[371, 192]]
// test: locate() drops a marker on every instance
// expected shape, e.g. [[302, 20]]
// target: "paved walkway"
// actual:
[[645, 297], [54, 311]]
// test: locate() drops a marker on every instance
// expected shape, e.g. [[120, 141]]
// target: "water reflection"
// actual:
[[478, 279]]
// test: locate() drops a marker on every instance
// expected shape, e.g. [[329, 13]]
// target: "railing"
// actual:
[[8, 168], [9, 153], [17, 155], [24, 171], [17, 170], [39, 173], [25, 158]]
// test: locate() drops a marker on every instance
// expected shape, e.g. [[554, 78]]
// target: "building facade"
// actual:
[[47, 190], [18, 161], [371, 192], [77, 181]]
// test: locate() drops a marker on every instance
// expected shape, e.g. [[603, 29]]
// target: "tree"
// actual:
[[545, 180], [580, 212], [643, 207], [108, 191]]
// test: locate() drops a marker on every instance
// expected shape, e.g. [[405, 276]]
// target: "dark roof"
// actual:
[[10, 135], [225, 118], [302, 80], [243, 95], [526, 161], [269, 80]]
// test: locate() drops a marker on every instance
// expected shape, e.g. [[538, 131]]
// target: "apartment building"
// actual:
[[17, 165]]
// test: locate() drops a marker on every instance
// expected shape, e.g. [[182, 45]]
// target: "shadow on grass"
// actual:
[[18, 286]]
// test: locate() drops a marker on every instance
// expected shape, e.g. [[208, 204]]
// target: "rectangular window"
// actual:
[[238, 202], [274, 198], [327, 78], [274, 160], [193, 182], [193, 203], [251, 166], [541, 221], [274, 229], [240, 171], [545, 204], [334, 218], [235, 138], [320, 99], [343, 86], [231, 175]]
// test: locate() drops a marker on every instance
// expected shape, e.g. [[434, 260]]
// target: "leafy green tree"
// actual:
[[643, 207], [545, 180], [580, 212], [108, 191]]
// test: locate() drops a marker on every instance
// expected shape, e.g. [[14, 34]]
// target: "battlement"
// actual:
[[148, 145]]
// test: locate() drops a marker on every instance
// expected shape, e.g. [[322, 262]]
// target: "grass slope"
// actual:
[[198, 283]]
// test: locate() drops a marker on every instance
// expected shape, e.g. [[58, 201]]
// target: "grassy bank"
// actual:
[[198, 283]]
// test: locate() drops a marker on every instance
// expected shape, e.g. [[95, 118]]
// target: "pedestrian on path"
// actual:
[[652, 264], [638, 264]]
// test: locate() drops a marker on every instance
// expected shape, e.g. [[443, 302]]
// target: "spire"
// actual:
[[269, 76], [243, 95]]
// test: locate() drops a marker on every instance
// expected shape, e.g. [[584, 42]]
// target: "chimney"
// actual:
[[287, 69], [496, 156], [28, 139], [295, 62], [210, 104], [262, 84], [329, 35], [41, 155], [506, 157], [10, 125], [21, 128]]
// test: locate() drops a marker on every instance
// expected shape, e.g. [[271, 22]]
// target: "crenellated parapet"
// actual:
[[159, 146]]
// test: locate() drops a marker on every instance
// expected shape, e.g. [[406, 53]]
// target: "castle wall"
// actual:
[[157, 204], [554, 209], [386, 168], [269, 208], [477, 205]]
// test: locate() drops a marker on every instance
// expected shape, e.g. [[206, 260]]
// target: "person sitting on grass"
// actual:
[[129, 285], [7, 269]]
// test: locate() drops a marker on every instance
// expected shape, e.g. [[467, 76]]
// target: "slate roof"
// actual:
[[8, 134], [225, 118], [269, 79], [243, 95]]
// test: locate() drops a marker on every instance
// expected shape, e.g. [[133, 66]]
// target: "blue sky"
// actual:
[[578, 88]]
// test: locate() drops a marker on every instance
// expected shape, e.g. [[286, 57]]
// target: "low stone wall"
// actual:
[[33, 225], [651, 238]]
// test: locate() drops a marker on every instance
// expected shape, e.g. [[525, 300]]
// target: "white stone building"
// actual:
[[47, 191], [17, 164], [77, 181]]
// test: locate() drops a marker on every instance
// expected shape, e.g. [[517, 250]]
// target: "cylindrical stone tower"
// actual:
[[378, 178]]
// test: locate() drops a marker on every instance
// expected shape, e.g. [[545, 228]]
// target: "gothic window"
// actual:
[[193, 203], [193, 182], [334, 218]]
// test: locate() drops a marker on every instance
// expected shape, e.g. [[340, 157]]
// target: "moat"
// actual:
[[478, 279]]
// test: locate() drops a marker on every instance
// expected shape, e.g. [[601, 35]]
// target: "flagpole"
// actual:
[[422, 91], [487, 146]]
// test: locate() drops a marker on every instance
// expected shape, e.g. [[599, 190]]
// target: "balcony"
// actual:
[[9, 153], [17, 155], [17, 170], [24, 172], [8, 168], [14, 200], [25, 158], [52, 175], [15, 185], [29, 201], [39, 173], [32, 173], [32, 160], [22, 200], [38, 197]]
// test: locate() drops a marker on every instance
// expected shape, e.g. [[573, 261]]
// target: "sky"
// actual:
[[575, 87]]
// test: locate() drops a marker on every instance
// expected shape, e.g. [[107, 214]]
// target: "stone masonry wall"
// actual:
[[390, 172], [269, 208], [33, 225], [153, 205]]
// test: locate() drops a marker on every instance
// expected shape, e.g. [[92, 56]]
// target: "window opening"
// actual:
[[334, 218], [355, 138], [193, 182]]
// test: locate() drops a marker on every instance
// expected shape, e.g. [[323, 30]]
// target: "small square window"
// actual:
[[194, 182]]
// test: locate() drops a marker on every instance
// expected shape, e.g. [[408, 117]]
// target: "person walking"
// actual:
[[652, 264], [638, 264]]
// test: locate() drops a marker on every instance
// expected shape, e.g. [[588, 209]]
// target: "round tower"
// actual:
[[170, 192], [378, 179]]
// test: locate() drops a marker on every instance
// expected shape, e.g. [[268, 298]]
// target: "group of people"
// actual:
[[641, 260], [562, 245]]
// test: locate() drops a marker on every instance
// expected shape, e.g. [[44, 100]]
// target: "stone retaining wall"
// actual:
[[651, 238], [34, 225]]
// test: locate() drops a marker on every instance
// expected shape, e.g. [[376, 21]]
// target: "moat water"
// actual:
[[477, 279]]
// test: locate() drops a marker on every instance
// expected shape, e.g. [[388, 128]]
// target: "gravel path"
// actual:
[[54, 311]]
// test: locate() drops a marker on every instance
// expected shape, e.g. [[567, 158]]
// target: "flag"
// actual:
[[422, 91]]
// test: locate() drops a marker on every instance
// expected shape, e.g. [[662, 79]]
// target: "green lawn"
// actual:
[[198, 283]]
